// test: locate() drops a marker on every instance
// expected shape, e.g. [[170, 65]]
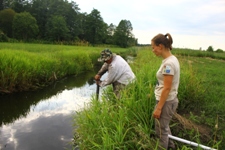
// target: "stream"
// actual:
[[43, 119]]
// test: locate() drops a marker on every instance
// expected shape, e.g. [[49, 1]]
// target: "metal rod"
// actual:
[[97, 92], [190, 142]]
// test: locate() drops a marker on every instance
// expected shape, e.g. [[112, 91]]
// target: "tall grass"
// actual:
[[22, 69], [198, 53], [118, 124], [30, 66], [127, 123], [208, 109], [191, 91]]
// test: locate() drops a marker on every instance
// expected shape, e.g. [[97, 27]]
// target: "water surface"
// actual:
[[42, 120]]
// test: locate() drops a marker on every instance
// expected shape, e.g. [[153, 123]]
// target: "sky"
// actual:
[[193, 24]]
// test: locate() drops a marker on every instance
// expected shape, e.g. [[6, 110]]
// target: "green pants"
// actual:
[[117, 87]]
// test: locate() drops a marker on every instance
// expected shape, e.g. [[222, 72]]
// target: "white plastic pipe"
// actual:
[[190, 143]]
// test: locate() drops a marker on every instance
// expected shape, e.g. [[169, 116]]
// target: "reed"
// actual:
[[30, 66], [127, 123], [118, 124]]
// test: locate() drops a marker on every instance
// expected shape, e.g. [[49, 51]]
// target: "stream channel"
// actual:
[[43, 119]]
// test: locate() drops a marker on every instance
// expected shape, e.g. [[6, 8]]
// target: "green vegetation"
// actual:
[[209, 108], [6, 19], [127, 123], [46, 21], [210, 49], [24, 26], [31, 66], [197, 53]]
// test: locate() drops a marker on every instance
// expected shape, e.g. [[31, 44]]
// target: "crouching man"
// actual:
[[119, 72]]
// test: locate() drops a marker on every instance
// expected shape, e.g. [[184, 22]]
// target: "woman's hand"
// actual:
[[157, 113], [168, 79]]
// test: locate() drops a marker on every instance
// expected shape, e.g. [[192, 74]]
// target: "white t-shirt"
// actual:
[[120, 71], [169, 66]]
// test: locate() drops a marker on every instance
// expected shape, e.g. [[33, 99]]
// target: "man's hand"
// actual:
[[98, 82], [97, 77]]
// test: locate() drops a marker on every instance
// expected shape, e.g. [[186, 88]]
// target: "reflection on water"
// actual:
[[43, 119]]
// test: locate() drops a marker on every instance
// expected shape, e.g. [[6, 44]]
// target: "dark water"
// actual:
[[42, 120]]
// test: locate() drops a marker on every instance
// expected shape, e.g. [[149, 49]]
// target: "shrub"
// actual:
[[210, 49], [219, 51], [3, 37]]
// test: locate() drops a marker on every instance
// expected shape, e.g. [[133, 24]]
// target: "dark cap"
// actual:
[[106, 54]]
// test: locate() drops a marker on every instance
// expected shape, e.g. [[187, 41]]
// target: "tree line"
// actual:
[[60, 20]]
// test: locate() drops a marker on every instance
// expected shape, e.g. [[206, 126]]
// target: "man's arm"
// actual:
[[112, 77], [102, 71]]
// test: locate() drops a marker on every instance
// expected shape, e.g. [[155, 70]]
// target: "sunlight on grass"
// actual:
[[127, 123]]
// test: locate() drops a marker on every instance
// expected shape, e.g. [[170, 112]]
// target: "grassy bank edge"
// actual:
[[127, 123], [32, 66]]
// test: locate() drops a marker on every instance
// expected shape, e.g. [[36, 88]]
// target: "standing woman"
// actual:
[[166, 90]]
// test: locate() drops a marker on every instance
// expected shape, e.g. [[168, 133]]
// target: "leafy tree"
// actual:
[[123, 34], [219, 51], [132, 41], [95, 28], [6, 19], [105, 34], [17, 5], [72, 19], [210, 49], [69, 11], [3, 37], [43, 10], [24, 26], [82, 17], [39, 9], [56, 29], [110, 32], [74, 25], [111, 29], [4, 4], [1, 5]]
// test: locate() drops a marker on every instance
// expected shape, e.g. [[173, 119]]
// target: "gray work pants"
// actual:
[[162, 127], [117, 87]]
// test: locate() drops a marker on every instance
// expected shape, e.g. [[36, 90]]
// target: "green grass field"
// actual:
[[198, 53], [127, 123], [208, 109], [31, 66]]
